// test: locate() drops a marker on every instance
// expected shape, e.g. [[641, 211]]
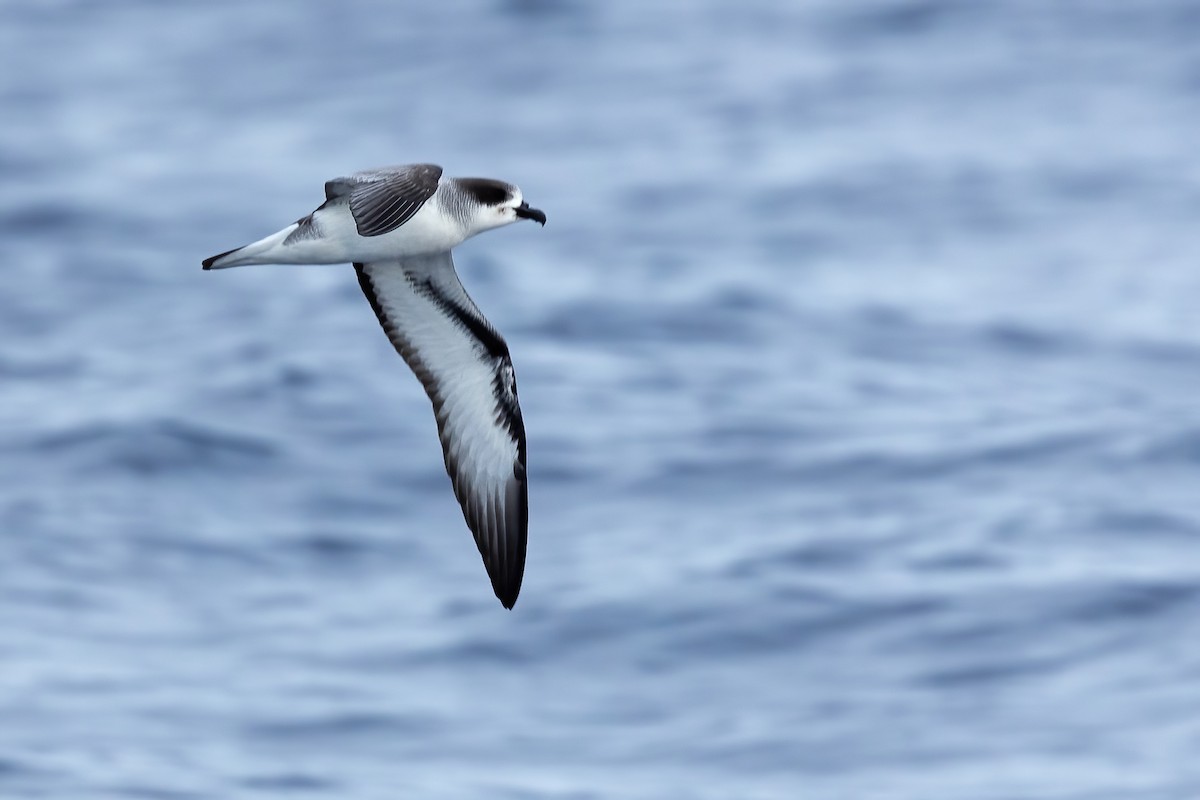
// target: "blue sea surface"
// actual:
[[860, 362]]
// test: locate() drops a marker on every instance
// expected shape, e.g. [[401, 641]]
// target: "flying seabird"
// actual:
[[397, 225]]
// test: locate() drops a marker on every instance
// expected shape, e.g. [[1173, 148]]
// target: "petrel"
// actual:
[[397, 226]]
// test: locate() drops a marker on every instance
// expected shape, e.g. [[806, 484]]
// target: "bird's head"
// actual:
[[495, 203]]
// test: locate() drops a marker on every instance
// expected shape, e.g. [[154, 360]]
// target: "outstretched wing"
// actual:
[[382, 200], [463, 363]]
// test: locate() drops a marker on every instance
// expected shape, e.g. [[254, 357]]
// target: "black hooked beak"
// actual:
[[525, 212]]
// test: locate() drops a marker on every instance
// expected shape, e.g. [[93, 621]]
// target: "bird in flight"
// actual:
[[397, 226]]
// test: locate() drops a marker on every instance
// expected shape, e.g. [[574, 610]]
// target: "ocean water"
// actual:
[[859, 360]]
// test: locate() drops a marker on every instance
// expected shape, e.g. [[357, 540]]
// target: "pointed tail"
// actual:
[[215, 261], [264, 251]]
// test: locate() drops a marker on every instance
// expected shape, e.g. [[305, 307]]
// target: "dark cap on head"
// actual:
[[487, 191]]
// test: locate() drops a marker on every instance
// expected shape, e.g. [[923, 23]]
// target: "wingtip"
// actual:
[[507, 593]]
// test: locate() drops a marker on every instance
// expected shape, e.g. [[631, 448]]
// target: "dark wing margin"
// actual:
[[382, 200], [464, 365]]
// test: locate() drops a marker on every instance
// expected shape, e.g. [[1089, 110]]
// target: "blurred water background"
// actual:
[[859, 361]]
